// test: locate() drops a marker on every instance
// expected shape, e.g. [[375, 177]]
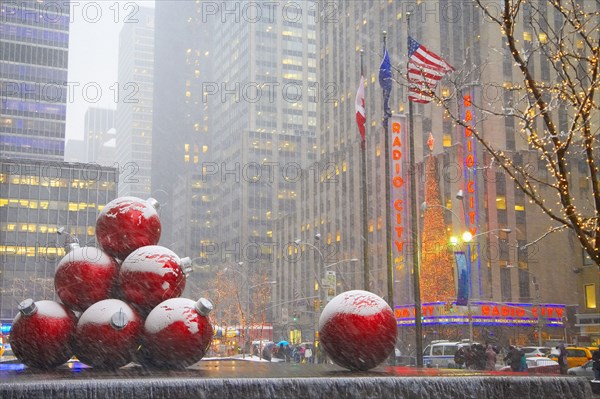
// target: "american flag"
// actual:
[[425, 69]]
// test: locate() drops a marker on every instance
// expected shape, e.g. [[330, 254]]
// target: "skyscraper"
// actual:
[[34, 41], [263, 103], [134, 108], [180, 133], [37, 199], [99, 136]]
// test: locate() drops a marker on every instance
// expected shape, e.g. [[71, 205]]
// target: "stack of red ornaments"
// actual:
[[119, 303]]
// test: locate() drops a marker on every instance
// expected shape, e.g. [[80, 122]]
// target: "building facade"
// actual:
[[99, 136], [134, 108], [513, 266], [181, 137], [37, 198], [34, 41], [263, 101]]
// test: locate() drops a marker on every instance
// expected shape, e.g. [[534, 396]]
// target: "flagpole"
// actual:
[[413, 227], [388, 204], [365, 223]]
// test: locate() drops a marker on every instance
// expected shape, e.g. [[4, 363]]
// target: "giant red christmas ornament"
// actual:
[[177, 333], [108, 334], [151, 275], [41, 334], [126, 224], [357, 330], [85, 276]]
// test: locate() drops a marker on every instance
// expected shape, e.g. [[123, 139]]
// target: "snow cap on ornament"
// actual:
[[152, 274], [177, 333], [358, 330], [108, 333], [126, 224], [42, 333], [84, 276]]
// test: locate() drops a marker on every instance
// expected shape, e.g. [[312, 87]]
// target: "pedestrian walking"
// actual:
[[513, 358], [490, 355], [469, 360], [562, 358], [459, 357], [522, 361], [308, 355], [596, 364]]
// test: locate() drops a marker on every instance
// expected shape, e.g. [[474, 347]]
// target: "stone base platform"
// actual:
[[243, 379]]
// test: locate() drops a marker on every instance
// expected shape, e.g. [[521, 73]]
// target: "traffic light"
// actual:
[[295, 317]]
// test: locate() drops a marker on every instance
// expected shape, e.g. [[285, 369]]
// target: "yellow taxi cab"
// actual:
[[576, 356]]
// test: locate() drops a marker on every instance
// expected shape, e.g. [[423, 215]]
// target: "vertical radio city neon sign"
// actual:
[[470, 170], [470, 184], [399, 192]]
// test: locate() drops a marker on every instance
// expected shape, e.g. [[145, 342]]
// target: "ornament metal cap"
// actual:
[[204, 306], [153, 203], [119, 320], [27, 307], [73, 246], [186, 265]]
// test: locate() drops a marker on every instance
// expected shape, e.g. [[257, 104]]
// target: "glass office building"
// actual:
[[34, 41], [36, 199]]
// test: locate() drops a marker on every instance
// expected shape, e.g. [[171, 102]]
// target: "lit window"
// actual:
[[590, 296], [501, 202], [447, 140]]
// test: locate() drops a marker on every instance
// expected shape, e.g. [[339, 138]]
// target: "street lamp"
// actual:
[[535, 283], [315, 275], [341, 261], [468, 237]]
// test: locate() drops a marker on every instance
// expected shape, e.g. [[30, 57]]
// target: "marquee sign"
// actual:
[[484, 313]]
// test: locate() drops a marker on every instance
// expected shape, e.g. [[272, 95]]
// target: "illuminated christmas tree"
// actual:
[[437, 265]]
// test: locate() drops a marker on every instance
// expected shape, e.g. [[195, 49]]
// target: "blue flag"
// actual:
[[385, 81], [462, 268]]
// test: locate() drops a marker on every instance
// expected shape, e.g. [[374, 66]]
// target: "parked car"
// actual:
[[440, 354], [539, 365], [576, 356], [536, 351], [585, 370]]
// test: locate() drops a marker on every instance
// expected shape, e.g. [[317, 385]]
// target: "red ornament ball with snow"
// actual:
[[126, 224], [177, 333], [108, 334], [85, 276], [357, 330], [151, 275], [42, 333]]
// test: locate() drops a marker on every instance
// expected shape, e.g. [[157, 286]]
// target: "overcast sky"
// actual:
[[93, 56]]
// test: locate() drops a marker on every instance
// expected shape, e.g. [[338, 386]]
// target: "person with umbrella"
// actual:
[[284, 350]]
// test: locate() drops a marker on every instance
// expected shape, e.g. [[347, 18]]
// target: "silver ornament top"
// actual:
[[153, 203], [186, 265], [119, 320], [204, 306], [27, 307], [72, 246]]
